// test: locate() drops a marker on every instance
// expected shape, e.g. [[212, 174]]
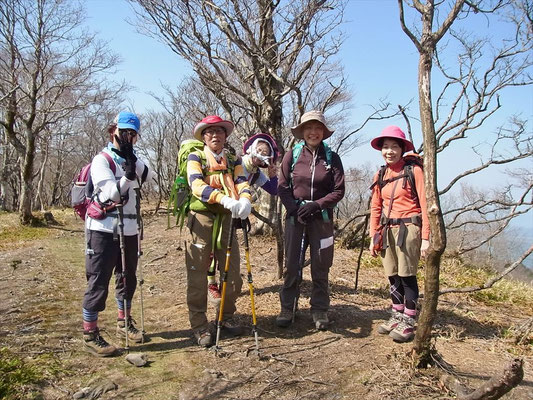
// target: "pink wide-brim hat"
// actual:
[[267, 138], [212, 120], [311, 116], [392, 132]]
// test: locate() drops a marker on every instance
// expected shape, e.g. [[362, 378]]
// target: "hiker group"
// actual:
[[212, 197]]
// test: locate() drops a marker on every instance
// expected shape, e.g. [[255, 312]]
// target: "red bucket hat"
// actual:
[[266, 138], [392, 132], [212, 120]]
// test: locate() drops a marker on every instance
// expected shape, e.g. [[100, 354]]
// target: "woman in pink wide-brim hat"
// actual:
[[399, 228]]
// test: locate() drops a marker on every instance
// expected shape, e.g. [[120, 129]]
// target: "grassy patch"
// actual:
[[455, 273], [13, 237], [17, 377]]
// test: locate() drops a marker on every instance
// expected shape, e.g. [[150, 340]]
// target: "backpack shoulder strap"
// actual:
[[110, 161], [410, 177], [380, 182], [296, 152], [329, 154]]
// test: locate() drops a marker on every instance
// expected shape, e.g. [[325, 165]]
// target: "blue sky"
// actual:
[[380, 61]]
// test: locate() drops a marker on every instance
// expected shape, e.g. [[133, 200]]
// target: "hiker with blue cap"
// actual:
[[116, 174]]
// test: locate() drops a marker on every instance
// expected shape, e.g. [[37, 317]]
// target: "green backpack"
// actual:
[[180, 194]]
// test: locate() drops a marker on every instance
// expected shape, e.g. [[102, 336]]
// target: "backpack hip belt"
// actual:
[[402, 233]]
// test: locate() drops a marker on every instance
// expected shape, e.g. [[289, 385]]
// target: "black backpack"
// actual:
[[408, 175]]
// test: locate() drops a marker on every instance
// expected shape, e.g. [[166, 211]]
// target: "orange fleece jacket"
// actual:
[[404, 205]]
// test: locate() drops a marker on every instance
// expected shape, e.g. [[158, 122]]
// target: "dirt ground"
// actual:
[[42, 282]]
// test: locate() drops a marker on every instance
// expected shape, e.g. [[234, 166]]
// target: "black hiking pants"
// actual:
[[319, 238], [100, 265]]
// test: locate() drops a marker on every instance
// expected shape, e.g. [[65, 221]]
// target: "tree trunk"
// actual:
[[25, 214], [39, 200], [3, 178], [422, 342]]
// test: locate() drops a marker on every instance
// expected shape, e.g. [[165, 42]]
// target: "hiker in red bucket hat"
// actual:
[[399, 227], [261, 151], [220, 193]]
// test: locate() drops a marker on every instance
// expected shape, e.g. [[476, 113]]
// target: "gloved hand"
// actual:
[[126, 152], [306, 211], [232, 205], [245, 208]]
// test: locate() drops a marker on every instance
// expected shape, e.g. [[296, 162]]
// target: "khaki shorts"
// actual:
[[402, 262]]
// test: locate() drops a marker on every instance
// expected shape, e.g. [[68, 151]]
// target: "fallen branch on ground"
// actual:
[[497, 386]]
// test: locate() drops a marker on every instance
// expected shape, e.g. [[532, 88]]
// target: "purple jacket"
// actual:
[[325, 185]]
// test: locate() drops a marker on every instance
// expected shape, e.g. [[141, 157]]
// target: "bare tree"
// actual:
[[254, 56], [49, 68], [467, 99]]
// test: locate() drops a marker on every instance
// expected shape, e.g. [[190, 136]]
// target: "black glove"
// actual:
[[126, 152], [243, 224], [306, 211]]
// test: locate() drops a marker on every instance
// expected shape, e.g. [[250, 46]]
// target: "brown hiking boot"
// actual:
[[321, 320], [133, 333], [386, 327], [97, 345], [284, 319], [231, 327], [203, 337]]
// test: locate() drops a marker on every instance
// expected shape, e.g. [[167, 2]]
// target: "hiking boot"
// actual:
[[133, 333], [284, 319], [203, 338], [386, 327], [405, 330], [213, 293], [321, 320], [97, 345], [231, 327]]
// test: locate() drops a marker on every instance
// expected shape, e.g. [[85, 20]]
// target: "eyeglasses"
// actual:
[[214, 131], [130, 132]]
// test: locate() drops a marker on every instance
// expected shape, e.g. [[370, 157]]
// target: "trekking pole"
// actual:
[[224, 282], [123, 259], [250, 282], [363, 237], [140, 232], [300, 274]]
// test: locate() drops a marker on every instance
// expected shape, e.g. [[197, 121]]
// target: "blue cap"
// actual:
[[128, 120]]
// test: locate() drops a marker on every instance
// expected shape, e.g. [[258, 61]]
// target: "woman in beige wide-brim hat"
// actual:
[[311, 183]]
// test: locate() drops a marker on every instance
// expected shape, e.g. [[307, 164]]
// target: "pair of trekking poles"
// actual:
[[120, 211], [245, 224]]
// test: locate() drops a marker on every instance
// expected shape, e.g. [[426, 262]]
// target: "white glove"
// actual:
[[245, 208], [231, 204]]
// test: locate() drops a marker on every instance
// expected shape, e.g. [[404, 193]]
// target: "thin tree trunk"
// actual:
[[39, 201], [26, 176], [422, 342]]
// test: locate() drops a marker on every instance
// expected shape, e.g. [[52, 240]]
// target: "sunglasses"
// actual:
[[130, 132]]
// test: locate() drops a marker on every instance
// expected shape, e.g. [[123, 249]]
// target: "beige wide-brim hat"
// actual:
[[311, 116]]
